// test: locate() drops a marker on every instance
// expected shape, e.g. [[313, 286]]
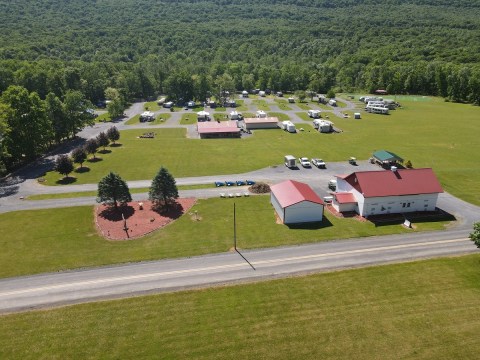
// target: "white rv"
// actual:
[[261, 93], [314, 113], [261, 114], [289, 126]]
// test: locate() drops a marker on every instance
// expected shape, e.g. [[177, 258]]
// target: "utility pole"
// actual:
[[234, 228]]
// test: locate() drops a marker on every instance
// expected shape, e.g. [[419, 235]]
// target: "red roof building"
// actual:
[[296, 202], [211, 129], [390, 191]]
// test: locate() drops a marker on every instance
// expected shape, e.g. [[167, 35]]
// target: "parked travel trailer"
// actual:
[[357, 115], [332, 102], [235, 116], [203, 116], [261, 114], [147, 116], [161, 101], [261, 93], [290, 161], [291, 100], [245, 93], [168, 105], [314, 113], [289, 126], [323, 126], [377, 110]]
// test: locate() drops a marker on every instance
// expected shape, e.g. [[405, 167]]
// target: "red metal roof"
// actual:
[[266, 120], [345, 198], [395, 183], [291, 192], [209, 127]]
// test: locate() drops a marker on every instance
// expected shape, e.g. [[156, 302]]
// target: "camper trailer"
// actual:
[[377, 110], [161, 101], [325, 126], [168, 105], [235, 116], [289, 126], [290, 161], [315, 114], [332, 102], [245, 93], [291, 100], [147, 116], [203, 116], [261, 114], [261, 93]]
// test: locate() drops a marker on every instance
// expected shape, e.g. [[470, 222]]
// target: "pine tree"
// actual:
[[112, 189], [163, 189], [113, 134], [79, 155], [64, 165]]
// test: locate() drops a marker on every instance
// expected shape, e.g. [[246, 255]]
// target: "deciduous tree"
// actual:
[[113, 134], [102, 140], [91, 147], [475, 234], [112, 189], [64, 165], [79, 155]]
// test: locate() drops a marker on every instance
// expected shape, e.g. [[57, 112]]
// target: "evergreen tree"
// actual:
[[79, 155], [91, 147], [113, 134], [64, 165], [112, 189], [163, 189], [102, 140]]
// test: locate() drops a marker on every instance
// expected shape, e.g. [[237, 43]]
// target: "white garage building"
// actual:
[[393, 191], [296, 202]]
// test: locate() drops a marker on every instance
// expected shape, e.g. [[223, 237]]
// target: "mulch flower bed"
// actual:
[[139, 222]]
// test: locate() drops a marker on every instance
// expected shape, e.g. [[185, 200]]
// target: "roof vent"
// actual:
[[393, 168]]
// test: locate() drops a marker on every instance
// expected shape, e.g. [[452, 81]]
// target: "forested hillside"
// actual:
[[141, 48]]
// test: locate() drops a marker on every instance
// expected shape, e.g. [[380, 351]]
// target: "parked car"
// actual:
[[319, 163], [305, 162], [250, 182], [229, 183], [241, 183], [219, 183]]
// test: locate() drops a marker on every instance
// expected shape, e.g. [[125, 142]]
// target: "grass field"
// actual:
[[241, 105], [282, 104], [421, 310], [188, 119], [303, 105], [60, 239], [261, 104], [304, 116], [280, 116], [160, 119], [152, 106], [105, 117], [430, 134]]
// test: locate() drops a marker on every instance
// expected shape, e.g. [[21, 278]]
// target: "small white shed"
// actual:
[[296, 202]]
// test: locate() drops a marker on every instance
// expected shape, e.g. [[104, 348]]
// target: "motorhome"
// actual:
[[314, 113], [289, 126]]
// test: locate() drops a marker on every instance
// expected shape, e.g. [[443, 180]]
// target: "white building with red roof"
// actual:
[[387, 192], [260, 123], [296, 202], [210, 129]]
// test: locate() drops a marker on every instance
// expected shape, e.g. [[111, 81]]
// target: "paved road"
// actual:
[[49, 290]]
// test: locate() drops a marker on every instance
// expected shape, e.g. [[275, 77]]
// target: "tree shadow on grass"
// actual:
[[105, 151], [66, 180], [82, 169], [94, 160], [325, 223], [112, 214], [174, 210], [115, 145]]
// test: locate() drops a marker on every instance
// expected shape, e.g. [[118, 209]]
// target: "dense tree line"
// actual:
[[61, 51]]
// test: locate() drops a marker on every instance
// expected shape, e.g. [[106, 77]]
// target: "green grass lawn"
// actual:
[[160, 119], [188, 119], [94, 193], [60, 239], [152, 106], [261, 104], [105, 117], [304, 116], [280, 116], [282, 104], [134, 120], [303, 105], [420, 310], [430, 134], [241, 105]]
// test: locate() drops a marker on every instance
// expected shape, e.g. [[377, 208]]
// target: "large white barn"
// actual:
[[296, 202], [387, 192]]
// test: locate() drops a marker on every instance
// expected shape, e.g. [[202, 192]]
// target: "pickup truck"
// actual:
[[319, 163], [305, 162]]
